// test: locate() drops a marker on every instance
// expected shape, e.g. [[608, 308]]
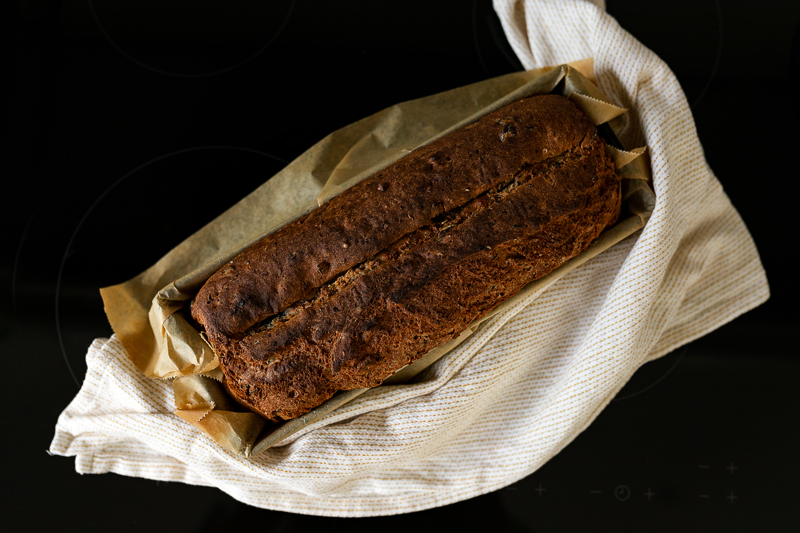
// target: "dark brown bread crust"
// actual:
[[473, 216], [363, 220]]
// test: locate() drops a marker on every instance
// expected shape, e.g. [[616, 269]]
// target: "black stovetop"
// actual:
[[115, 104]]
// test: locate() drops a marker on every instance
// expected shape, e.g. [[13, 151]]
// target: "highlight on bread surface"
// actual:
[[405, 260]]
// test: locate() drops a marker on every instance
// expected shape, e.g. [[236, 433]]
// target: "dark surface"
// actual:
[[110, 107]]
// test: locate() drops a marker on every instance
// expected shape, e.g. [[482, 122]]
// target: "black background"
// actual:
[[112, 104]]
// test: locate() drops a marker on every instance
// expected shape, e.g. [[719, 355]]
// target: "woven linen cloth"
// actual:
[[526, 383]]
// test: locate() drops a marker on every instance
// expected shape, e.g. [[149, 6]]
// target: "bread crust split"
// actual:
[[405, 260]]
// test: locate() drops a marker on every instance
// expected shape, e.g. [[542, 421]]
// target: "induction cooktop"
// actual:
[[122, 115]]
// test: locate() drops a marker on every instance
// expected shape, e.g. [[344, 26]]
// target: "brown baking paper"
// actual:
[[205, 404], [149, 312]]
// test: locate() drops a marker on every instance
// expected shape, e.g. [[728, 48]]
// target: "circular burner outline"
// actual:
[[99, 199], [661, 378], [182, 75]]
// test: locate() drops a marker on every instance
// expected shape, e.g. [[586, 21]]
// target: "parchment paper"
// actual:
[[148, 313]]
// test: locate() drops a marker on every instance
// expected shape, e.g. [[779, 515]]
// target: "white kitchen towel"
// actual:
[[528, 382]]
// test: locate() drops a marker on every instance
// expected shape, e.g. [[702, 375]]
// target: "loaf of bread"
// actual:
[[405, 260]]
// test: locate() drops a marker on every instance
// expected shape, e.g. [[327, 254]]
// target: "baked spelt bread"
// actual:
[[405, 260]]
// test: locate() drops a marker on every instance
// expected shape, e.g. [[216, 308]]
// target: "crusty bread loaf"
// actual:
[[405, 260]]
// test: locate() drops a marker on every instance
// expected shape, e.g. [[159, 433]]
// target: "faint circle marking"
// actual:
[[217, 72], [656, 382], [97, 201]]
